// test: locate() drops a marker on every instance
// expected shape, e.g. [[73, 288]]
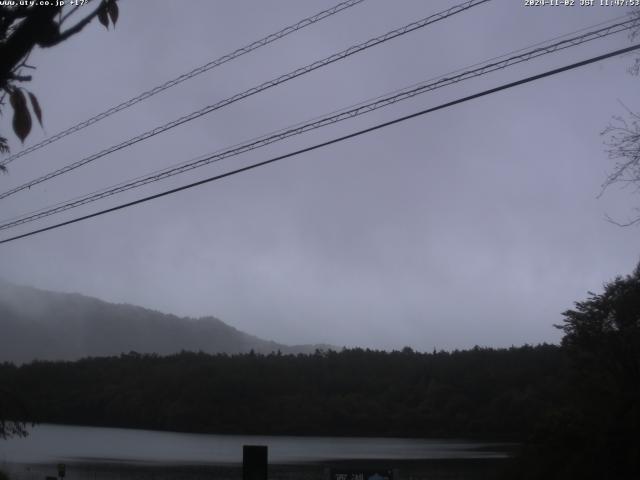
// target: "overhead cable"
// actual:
[[329, 142], [301, 128], [186, 76], [252, 91]]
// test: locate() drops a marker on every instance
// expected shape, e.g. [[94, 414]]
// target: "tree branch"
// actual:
[[18, 45], [68, 14], [13, 14], [20, 78], [77, 28], [635, 221]]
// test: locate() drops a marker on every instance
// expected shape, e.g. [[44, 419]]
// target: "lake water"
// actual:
[[61, 443]]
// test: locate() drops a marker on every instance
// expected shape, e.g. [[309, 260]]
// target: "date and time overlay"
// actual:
[[526, 3], [581, 3]]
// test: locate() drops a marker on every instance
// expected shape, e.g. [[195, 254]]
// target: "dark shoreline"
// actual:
[[470, 437], [423, 469]]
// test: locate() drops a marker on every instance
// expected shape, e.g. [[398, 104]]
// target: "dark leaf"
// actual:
[[112, 9], [36, 107], [4, 146], [21, 115], [103, 16]]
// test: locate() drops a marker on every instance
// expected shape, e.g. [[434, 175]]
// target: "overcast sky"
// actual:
[[478, 224]]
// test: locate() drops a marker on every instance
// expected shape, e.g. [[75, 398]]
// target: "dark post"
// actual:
[[254, 462]]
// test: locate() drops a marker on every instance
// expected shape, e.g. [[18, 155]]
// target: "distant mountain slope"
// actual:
[[39, 324]]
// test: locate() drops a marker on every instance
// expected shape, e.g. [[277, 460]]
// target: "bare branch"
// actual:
[[635, 221], [623, 146]]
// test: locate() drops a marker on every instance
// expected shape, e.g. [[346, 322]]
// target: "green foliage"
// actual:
[[3, 476], [479, 392]]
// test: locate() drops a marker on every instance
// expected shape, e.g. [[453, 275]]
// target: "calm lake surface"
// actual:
[[61, 443]]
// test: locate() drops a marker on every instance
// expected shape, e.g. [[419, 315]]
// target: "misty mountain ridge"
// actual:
[[46, 325]]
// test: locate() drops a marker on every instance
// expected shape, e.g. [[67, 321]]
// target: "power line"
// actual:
[[252, 91], [344, 114], [362, 102], [363, 107], [186, 76], [331, 142], [615, 21]]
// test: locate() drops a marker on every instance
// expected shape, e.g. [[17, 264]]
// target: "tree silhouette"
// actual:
[[603, 332], [602, 340], [22, 28], [593, 431]]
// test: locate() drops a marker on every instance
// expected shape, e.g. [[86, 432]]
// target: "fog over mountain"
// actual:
[[45, 325]]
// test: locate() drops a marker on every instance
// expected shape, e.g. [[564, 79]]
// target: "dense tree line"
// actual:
[[480, 392]]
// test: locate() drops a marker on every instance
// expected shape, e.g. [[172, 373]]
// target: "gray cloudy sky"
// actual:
[[478, 224]]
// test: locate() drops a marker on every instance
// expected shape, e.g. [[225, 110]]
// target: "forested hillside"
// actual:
[[480, 392], [44, 325]]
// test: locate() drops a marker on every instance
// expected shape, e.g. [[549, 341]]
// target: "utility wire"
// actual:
[[331, 142], [615, 20], [252, 91], [186, 76], [345, 113], [353, 105], [379, 102], [362, 102]]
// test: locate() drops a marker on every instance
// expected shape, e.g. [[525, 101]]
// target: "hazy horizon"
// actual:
[[336, 346]]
